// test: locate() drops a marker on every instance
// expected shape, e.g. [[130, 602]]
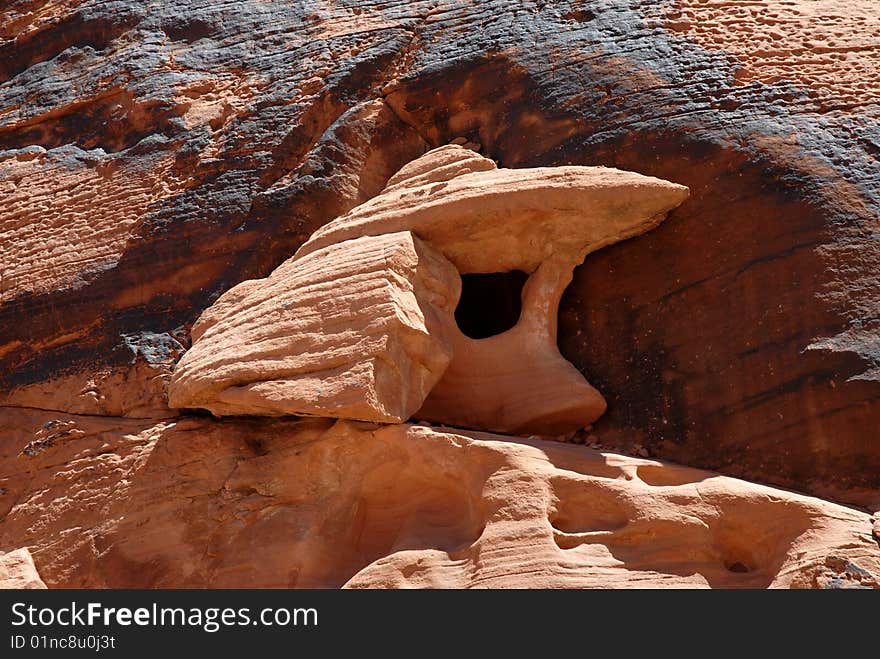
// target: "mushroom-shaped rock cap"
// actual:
[[441, 164], [485, 219]]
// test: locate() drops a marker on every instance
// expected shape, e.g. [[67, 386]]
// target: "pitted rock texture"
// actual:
[[17, 571], [137, 388], [316, 503], [826, 46], [358, 330]]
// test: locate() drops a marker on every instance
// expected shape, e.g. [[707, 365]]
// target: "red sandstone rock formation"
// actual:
[[152, 159], [17, 570], [358, 324], [359, 330], [195, 502]]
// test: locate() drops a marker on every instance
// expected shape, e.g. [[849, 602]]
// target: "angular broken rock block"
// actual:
[[17, 571], [541, 221], [358, 330]]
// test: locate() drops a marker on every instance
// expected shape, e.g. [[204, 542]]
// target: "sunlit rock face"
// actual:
[[358, 330], [154, 158], [281, 503], [301, 341], [17, 571]]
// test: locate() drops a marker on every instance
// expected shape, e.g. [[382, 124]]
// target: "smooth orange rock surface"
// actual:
[[485, 219], [358, 330], [195, 502]]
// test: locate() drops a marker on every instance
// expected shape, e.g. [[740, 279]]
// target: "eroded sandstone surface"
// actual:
[[359, 330], [17, 571], [358, 324], [154, 158], [196, 502]]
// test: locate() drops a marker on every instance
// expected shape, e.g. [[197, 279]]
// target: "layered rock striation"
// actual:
[[358, 330], [151, 161]]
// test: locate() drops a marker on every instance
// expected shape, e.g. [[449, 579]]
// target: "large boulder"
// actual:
[[358, 323], [541, 222], [358, 330], [17, 571]]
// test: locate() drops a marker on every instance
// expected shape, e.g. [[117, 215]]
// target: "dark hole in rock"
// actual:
[[737, 567], [189, 29], [580, 15], [490, 303]]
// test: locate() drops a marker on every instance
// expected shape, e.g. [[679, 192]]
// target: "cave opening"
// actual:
[[490, 303]]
